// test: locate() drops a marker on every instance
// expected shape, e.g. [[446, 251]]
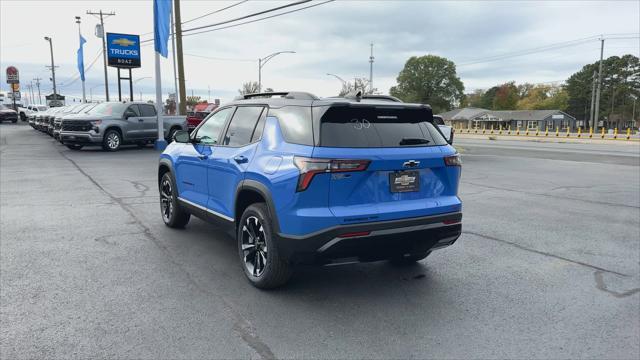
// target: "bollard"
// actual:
[[526, 132], [491, 129], [500, 131], [602, 135], [518, 131], [546, 131], [557, 131], [615, 133], [538, 131], [568, 128], [509, 130], [628, 133], [590, 132], [579, 132], [484, 129]]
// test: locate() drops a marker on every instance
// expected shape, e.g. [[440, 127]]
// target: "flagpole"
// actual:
[[84, 97], [160, 143], [162, 31]]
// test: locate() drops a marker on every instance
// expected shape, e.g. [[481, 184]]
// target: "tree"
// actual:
[[358, 84], [250, 87], [192, 100], [429, 80], [544, 97], [506, 97], [620, 83]]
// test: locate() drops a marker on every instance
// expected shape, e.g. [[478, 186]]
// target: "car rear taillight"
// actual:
[[309, 167], [453, 160]]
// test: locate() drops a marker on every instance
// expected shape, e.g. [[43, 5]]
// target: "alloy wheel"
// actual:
[[113, 140], [254, 246], [166, 200]]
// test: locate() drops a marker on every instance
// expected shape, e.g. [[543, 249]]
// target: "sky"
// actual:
[[331, 38]]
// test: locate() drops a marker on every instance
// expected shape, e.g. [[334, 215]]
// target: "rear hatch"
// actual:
[[406, 175]]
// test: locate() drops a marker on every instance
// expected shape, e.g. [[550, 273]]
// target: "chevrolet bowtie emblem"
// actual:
[[123, 42]]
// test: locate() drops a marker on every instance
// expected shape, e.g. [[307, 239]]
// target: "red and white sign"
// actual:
[[12, 75]]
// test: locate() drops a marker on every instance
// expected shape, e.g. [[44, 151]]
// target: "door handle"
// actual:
[[240, 159], [202, 157]]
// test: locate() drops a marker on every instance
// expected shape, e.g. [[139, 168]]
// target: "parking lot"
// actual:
[[547, 266]]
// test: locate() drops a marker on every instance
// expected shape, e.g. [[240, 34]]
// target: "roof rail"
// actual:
[[381, 97], [296, 95]]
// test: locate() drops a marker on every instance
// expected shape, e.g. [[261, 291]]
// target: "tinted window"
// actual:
[[209, 132], [295, 124], [360, 127], [134, 109], [147, 110], [242, 125], [438, 120], [257, 133]]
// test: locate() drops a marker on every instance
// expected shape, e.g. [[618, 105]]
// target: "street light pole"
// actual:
[[53, 68], [142, 78], [263, 61], [338, 77], [597, 109]]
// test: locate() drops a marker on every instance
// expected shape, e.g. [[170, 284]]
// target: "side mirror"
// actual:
[[128, 114], [181, 136]]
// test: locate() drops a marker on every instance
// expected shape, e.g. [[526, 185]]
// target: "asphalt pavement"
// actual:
[[547, 267]]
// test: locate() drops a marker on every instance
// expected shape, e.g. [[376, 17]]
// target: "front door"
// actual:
[[150, 121], [135, 123], [230, 160], [191, 165]]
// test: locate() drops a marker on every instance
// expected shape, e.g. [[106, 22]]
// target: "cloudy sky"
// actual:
[[479, 36]]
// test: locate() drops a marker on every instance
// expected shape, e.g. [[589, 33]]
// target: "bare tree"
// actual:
[[358, 84], [250, 87]]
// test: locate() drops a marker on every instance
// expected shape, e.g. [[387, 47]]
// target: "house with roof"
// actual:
[[515, 119]]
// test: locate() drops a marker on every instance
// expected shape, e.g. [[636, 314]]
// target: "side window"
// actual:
[[242, 125], [257, 133], [209, 132], [147, 110], [132, 110], [295, 124]]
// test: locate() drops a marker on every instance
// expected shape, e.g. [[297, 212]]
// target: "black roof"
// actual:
[[298, 98]]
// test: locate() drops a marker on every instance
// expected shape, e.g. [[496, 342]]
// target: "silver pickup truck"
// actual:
[[112, 124]]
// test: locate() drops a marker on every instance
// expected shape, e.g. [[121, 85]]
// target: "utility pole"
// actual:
[[593, 97], [37, 80], [371, 58], [597, 109], [175, 71], [103, 34], [178, 34], [53, 69], [84, 96]]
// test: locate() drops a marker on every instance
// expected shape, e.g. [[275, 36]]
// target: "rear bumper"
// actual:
[[373, 241]]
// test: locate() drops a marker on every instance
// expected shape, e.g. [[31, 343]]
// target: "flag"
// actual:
[[81, 58], [161, 26]]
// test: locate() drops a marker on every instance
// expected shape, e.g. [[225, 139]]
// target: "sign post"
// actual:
[[123, 52], [13, 79]]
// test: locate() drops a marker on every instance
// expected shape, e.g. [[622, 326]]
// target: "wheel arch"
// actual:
[[250, 192], [165, 166]]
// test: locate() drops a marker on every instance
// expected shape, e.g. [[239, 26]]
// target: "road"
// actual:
[[547, 266]]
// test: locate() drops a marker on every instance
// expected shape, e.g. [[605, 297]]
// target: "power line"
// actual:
[[260, 19], [560, 45], [207, 14], [77, 77]]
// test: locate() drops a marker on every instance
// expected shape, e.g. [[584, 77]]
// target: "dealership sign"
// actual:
[[13, 76], [123, 50]]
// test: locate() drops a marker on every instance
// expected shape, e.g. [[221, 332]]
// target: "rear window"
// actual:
[[363, 127]]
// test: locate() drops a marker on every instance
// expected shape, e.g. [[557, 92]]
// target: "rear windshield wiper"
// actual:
[[413, 141]]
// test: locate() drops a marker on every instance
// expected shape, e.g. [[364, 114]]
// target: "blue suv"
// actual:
[[300, 179]]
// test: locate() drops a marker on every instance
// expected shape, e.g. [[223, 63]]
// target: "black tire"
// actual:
[[74, 146], [257, 245], [409, 259], [23, 117], [173, 215], [14, 120], [111, 140]]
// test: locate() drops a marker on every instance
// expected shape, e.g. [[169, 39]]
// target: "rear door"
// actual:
[[406, 176], [231, 158]]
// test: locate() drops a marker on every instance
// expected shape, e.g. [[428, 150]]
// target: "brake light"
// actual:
[[309, 167], [453, 160]]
